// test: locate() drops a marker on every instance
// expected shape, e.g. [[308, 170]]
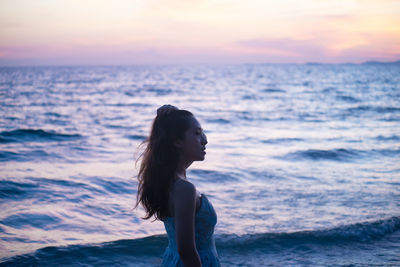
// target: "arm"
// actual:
[[185, 210]]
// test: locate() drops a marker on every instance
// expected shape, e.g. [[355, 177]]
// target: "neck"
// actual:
[[181, 174], [181, 171]]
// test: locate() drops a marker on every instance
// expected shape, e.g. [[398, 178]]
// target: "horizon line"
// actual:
[[368, 62]]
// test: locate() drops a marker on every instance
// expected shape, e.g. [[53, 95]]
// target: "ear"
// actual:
[[178, 144]]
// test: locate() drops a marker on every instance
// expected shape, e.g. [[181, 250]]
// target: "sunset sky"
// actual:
[[49, 32]]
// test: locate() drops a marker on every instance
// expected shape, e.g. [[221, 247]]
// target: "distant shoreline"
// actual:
[[371, 62]]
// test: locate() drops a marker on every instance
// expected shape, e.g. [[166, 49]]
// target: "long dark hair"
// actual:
[[160, 160]]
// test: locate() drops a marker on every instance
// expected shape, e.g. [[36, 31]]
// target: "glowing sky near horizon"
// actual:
[[61, 32]]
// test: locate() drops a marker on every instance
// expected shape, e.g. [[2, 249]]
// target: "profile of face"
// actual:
[[193, 144]]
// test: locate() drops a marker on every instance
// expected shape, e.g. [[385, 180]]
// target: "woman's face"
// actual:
[[193, 145]]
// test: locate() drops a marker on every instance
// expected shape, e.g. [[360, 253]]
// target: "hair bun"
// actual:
[[166, 110]]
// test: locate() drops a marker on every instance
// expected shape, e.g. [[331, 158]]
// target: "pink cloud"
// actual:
[[283, 50], [291, 50], [288, 48], [76, 55]]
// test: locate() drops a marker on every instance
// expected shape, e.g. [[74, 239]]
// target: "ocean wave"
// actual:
[[346, 98], [53, 114], [16, 191], [136, 137], [38, 220], [339, 154], [219, 121], [123, 105], [42, 190], [388, 138], [149, 249], [25, 156], [273, 90], [281, 140], [368, 108], [116, 253], [390, 118], [353, 233], [158, 91], [386, 152], [81, 81], [35, 135]]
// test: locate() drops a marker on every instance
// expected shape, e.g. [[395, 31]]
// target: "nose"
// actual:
[[204, 140]]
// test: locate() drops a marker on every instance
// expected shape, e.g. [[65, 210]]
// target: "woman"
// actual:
[[176, 140]]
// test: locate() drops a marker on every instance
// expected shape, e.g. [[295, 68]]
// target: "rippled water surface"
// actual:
[[302, 162]]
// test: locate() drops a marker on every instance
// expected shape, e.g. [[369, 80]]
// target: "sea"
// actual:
[[302, 164]]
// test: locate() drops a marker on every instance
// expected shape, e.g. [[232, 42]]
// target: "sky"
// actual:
[[99, 32]]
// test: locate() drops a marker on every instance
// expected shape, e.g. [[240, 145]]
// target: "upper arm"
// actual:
[[184, 201]]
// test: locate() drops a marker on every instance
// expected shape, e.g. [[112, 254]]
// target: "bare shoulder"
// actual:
[[184, 199], [184, 188]]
